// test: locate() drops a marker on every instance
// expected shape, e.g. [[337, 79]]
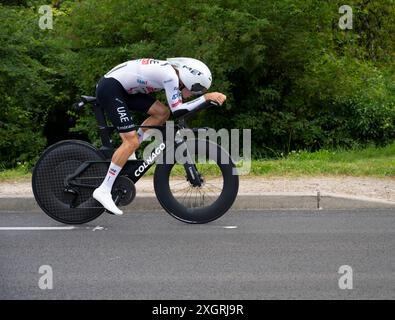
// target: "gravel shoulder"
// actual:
[[366, 187]]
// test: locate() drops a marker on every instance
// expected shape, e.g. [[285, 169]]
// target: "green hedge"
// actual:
[[290, 73]]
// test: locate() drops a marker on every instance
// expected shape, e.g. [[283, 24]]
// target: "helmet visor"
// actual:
[[197, 89]]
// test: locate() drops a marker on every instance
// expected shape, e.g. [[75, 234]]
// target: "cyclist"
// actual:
[[129, 85]]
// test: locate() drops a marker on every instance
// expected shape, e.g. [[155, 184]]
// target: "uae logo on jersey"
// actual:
[[112, 171]]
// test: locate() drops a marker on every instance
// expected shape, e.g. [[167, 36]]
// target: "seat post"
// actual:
[[107, 146]]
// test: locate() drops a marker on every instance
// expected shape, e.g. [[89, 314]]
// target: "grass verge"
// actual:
[[367, 162], [375, 162]]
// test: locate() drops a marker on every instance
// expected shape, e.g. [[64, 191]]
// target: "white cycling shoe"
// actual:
[[105, 198]]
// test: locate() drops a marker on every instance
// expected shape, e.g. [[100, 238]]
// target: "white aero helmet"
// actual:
[[194, 74]]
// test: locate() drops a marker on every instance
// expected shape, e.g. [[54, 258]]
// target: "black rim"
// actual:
[[55, 202]]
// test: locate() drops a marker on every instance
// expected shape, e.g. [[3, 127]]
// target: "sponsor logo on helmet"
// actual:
[[193, 71]]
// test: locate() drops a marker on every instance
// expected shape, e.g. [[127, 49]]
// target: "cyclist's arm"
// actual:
[[174, 97]]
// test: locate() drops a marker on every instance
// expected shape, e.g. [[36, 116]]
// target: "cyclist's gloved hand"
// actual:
[[216, 97]]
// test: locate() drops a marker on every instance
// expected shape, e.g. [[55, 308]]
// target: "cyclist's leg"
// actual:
[[112, 97], [130, 143], [158, 112]]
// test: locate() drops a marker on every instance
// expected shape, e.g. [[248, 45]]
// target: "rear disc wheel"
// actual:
[[76, 205]]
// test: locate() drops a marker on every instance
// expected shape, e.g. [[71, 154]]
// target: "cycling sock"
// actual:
[[112, 174]]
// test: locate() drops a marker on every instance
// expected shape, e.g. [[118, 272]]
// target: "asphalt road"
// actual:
[[243, 255]]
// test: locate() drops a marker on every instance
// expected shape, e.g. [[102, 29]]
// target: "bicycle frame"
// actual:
[[133, 169], [66, 174]]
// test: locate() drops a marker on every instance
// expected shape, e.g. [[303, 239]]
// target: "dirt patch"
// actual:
[[374, 188]]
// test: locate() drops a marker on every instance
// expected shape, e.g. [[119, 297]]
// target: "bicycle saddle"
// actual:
[[88, 99]]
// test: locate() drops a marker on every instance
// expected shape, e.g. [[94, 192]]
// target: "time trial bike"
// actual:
[[199, 189]]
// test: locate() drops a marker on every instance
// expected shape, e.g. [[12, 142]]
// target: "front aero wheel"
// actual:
[[204, 203]]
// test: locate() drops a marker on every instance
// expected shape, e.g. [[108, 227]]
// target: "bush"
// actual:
[[290, 74]]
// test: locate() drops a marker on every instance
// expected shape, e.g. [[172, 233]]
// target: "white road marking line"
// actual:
[[230, 227], [35, 228]]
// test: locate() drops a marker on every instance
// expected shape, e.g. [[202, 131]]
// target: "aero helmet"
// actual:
[[194, 74]]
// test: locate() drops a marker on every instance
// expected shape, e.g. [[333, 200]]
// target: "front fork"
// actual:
[[192, 174]]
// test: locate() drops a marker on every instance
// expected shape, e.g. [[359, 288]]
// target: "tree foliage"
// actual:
[[290, 73]]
